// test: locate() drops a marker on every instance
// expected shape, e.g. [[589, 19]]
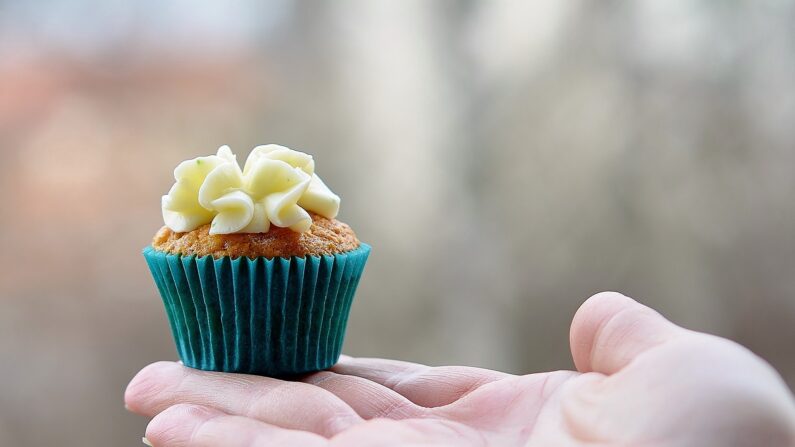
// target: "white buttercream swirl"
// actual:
[[276, 186]]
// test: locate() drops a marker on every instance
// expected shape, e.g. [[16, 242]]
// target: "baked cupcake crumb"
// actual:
[[325, 237]]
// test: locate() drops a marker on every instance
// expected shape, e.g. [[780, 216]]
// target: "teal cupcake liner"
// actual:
[[272, 317]]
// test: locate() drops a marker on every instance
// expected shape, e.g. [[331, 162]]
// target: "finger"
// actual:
[[424, 385], [610, 330], [411, 432], [187, 425], [369, 399], [291, 405]]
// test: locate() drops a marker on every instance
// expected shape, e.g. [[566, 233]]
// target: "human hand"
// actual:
[[641, 380]]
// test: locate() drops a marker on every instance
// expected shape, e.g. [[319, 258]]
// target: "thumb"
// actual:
[[610, 329]]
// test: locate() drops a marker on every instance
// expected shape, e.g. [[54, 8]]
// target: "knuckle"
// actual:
[[165, 427], [179, 424], [300, 405], [336, 421], [217, 429], [150, 382], [265, 397]]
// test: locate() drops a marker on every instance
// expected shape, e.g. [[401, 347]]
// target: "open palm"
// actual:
[[641, 381]]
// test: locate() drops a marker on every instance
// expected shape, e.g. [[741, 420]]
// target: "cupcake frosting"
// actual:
[[276, 186]]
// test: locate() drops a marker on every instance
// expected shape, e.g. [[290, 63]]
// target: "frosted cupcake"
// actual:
[[256, 274]]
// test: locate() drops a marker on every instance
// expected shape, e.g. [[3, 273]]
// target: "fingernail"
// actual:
[[146, 441]]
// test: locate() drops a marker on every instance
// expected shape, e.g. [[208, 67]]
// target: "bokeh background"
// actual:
[[505, 159]]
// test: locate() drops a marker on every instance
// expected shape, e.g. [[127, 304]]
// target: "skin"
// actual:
[[640, 381]]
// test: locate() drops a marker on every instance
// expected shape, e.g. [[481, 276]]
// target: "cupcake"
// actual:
[[256, 274]]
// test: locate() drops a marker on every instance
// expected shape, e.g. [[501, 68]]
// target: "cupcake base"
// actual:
[[272, 317]]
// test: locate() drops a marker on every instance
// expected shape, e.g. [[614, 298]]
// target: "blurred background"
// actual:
[[505, 159]]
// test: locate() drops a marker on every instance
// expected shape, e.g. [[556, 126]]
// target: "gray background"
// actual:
[[506, 160]]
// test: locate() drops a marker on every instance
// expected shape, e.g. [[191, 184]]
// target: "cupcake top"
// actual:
[[276, 186], [275, 206]]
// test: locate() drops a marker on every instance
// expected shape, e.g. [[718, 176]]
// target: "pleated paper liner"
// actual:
[[273, 317]]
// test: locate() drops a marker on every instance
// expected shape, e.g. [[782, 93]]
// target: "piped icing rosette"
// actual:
[[276, 186]]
